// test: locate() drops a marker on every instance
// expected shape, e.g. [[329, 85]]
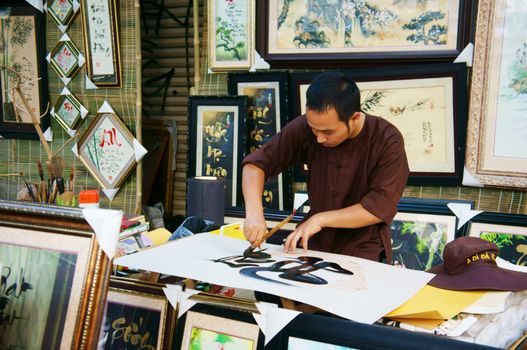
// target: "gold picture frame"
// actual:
[[496, 146], [100, 20], [230, 35], [51, 256], [143, 309], [107, 150]]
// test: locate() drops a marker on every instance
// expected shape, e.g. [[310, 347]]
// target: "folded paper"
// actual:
[[435, 303], [106, 224]]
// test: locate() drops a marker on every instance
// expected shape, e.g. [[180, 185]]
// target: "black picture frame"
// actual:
[[33, 79], [355, 335], [217, 313], [447, 172], [507, 231], [223, 142], [319, 54], [267, 114]]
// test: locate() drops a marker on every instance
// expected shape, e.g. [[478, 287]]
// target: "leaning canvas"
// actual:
[[350, 287]]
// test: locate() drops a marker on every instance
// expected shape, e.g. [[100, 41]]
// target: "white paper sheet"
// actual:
[[372, 291]]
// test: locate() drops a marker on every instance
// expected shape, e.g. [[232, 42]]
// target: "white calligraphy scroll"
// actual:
[[100, 33]]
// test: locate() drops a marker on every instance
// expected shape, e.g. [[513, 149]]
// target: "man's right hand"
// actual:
[[254, 228]]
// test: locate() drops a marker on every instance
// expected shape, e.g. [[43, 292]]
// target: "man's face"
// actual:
[[329, 130]]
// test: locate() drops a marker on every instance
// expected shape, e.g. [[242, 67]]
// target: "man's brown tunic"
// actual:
[[370, 169]]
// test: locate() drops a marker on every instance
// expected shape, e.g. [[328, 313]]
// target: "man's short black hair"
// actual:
[[334, 90]]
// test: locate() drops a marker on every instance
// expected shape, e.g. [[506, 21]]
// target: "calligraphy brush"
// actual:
[[57, 164], [42, 188], [247, 252], [29, 190], [300, 199]]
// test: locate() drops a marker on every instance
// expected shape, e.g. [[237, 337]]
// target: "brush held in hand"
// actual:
[[247, 252]]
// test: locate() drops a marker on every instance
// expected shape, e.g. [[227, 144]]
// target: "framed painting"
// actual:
[[418, 240], [69, 112], [427, 103], [215, 123], [107, 150], [230, 34], [507, 231], [53, 278], [65, 59], [137, 316], [23, 64], [266, 115], [62, 12], [322, 33], [100, 20], [496, 143], [215, 327]]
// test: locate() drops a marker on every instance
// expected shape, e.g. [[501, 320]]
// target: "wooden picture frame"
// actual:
[[62, 12], [100, 20], [51, 257], [215, 123], [418, 100], [107, 150], [496, 147], [138, 315], [266, 115], [25, 51], [507, 231], [65, 59], [302, 33], [230, 34], [214, 324]]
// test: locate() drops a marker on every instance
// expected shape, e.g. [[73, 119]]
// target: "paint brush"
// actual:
[[300, 199], [42, 187]]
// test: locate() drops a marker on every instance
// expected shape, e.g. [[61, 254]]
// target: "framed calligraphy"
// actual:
[[266, 115], [22, 63], [301, 33], [507, 231], [496, 144], [211, 326], [427, 103], [100, 20], [215, 123], [107, 150], [53, 278], [138, 316], [230, 34]]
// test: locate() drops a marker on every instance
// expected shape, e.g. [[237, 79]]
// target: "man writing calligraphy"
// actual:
[[357, 172]]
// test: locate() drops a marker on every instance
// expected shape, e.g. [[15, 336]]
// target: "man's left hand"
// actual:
[[303, 232]]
